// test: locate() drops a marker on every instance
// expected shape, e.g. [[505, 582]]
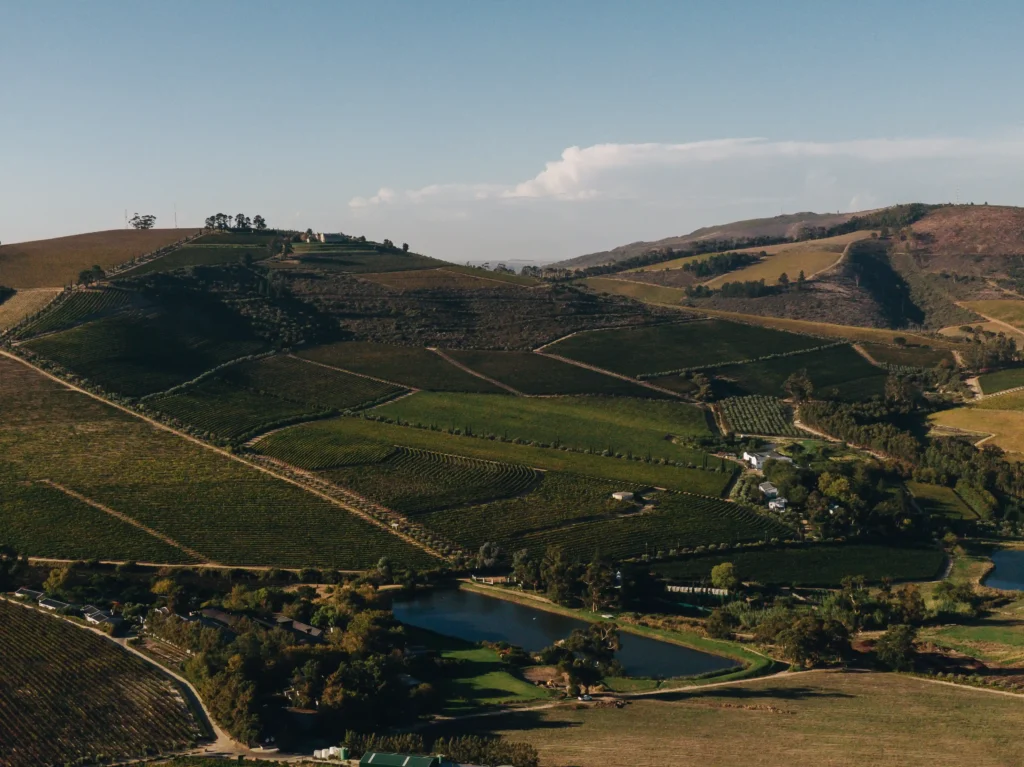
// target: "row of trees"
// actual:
[[240, 222]]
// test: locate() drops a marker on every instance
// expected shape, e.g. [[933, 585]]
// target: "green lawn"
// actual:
[[940, 501], [618, 425], [992, 383]]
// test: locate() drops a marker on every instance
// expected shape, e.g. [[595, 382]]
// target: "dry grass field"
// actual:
[[791, 262], [1005, 426], [23, 304], [1005, 310], [642, 291], [51, 263], [804, 720]]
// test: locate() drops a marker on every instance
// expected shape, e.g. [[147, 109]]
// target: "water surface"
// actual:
[[1009, 570], [474, 617]]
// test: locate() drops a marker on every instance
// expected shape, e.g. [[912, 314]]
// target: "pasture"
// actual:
[[225, 510], [993, 383], [68, 696], [1008, 310], [818, 565], [56, 262], [676, 346], [790, 262], [536, 374], [801, 720], [1006, 427], [411, 366], [23, 304], [940, 501], [619, 426], [758, 414], [319, 435], [198, 255]]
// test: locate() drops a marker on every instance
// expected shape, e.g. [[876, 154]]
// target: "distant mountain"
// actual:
[[778, 226]]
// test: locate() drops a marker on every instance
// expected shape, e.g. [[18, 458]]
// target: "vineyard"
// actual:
[[411, 366], [227, 511], [620, 426], [940, 501], [514, 279], [80, 306], [536, 374], [199, 255], [434, 279], [319, 446], [68, 696], [758, 414], [993, 383], [416, 481], [677, 346], [908, 356], [822, 565], [359, 258]]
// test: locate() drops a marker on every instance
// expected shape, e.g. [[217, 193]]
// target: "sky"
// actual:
[[492, 130]]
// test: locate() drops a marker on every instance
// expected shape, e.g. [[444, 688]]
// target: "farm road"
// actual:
[[603, 371], [472, 372]]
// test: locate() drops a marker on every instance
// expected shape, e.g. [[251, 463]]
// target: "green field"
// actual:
[[798, 720], [225, 510], [536, 374], [940, 501], [580, 515], [136, 354], [67, 696], [833, 371], [908, 356], [411, 366], [619, 426], [319, 435], [199, 255], [677, 346], [758, 414], [993, 383], [80, 306], [819, 565]]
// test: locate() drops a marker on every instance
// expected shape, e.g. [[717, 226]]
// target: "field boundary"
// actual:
[[466, 369], [128, 520], [603, 371], [412, 389]]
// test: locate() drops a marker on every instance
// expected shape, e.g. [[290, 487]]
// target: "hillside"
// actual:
[[779, 226], [57, 262]]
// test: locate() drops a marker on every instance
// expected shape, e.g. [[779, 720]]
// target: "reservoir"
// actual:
[[474, 617], [1009, 570]]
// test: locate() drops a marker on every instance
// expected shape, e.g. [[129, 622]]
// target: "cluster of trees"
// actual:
[[895, 217], [92, 275], [145, 221], [865, 424], [721, 263], [988, 350], [464, 749], [240, 222], [587, 656], [748, 288]]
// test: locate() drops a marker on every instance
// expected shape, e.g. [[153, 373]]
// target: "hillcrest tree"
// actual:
[[144, 221]]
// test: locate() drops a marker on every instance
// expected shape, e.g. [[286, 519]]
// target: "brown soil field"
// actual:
[[56, 262]]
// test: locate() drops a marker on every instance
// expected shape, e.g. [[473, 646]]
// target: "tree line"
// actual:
[[240, 222]]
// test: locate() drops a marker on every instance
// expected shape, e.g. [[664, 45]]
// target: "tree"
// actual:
[[525, 570], [488, 555], [799, 386], [259, 223], [211, 222], [557, 574], [89, 276], [801, 280], [142, 222], [704, 391], [599, 578], [784, 281], [895, 648], [242, 221], [405, 247], [810, 641], [57, 580], [723, 576]]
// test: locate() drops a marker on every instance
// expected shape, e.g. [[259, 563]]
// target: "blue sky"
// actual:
[[685, 114]]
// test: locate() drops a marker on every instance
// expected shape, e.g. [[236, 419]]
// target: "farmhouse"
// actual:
[[758, 460], [98, 617], [28, 594], [768, 490], [778, 504], [623, 495], [304, 631]]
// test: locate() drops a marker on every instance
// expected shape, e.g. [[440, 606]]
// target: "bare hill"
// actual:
[[968, 239], [56, 262], [778, 226]]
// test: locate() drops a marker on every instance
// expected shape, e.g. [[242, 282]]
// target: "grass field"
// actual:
[[791, 262], [24, 303], [993, 383], [908, 356], [997, 638], [675, 346], [758, 414], [536, 374], [1008, 310], [940, 501], [620, 425], [318, 437], [804, 720], [227, 511], [67, 695], [820, 565], [580, 515], [411, 366], [832, 371], [1007, 426], [1011, 400], [56, 262], [198, 255], [135, 354]]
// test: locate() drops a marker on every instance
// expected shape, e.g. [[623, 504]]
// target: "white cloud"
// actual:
[[588, 173]]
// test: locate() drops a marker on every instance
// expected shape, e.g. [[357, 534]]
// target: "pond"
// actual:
[[1008, 572], [475, 617]]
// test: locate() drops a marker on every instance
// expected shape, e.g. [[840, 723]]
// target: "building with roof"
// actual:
[[54, 605], [778, 504], [768, 490], [623, 495], [758, 460], [29, 595], [379, 759]]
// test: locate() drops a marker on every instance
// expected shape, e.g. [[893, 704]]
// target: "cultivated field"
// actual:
[[198, 255], [319, 437], [56, 262], [992, 383], [67, 696], [359, 258], [411, 366], [804, 720], [223, 510], [1006, 426], [81, 306], [758, 414], [24, 304], [1011, 400], [908, 356], [677, 346], [642, 291], [940, 501], [623, 425], [791, 262], [819, 565], [536, 374], [441, 278], [514, 279]]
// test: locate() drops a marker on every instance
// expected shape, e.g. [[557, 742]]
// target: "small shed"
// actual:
[[623, 495]]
